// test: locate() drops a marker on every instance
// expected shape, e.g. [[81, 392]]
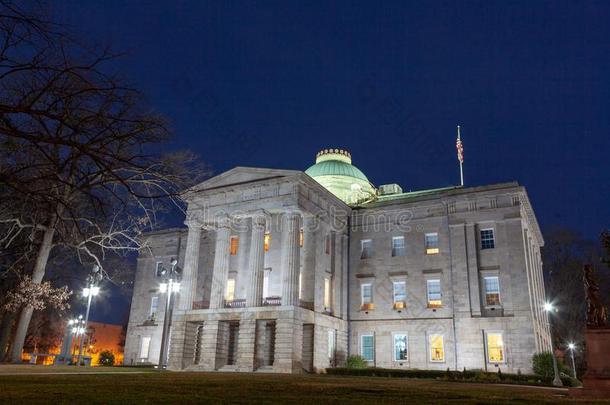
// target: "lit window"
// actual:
[[432, 243], [266, 283], [327, 292], [492, 291], [154, 304], [437, 349], [487, 239], [267, 241], [400, 347], [366, 293], [398, 246], [366, 248], [331, 346], [301, 238], [230, 295], [434, 293], [367, 347], [234, 245], [144, 347], [495, 348], [400, 291]]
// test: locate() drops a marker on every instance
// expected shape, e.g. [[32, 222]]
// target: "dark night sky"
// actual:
[[268, 84]]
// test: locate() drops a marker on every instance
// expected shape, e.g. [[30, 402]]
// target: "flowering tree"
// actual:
[[37, 295]]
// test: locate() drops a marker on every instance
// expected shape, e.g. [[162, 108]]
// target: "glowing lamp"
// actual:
[[163, 287], [176, 287]]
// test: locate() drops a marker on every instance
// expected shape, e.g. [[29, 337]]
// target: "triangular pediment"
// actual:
[[242, 175]]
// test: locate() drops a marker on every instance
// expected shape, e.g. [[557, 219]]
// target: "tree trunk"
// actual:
[[26, 314], [6, 327]]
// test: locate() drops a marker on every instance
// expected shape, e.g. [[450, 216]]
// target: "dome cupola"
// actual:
[[335, 172]]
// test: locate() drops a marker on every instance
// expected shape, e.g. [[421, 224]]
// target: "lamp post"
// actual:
[[77, 330], [89, 292], [170, 284], [549, 308], [572, 347]]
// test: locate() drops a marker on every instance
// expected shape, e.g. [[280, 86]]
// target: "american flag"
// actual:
[[459, 147]]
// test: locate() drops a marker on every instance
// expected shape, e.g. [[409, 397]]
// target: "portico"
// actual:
[[263, 242]]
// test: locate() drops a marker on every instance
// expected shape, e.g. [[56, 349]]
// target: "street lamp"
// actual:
[[572, 347], [549, 308], [170, 284], [76, 329], [89, 292]]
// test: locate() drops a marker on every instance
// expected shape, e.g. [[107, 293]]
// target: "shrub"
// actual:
[[356, 361], [479, 376], [106, 358], [542, 364]]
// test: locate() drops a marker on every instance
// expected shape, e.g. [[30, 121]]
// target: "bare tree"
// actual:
[[76, 169]]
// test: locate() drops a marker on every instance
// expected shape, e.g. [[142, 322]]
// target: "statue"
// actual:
[[596, 312]]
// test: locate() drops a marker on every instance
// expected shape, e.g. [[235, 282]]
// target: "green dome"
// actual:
[[335, 172], [335, 168]]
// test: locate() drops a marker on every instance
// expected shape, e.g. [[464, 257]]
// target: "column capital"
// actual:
[[222, 221], [194, 219]]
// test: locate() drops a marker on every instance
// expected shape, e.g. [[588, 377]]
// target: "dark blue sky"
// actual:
[[268, 84]]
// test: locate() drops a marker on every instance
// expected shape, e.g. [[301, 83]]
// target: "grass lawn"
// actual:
[[174, 388]]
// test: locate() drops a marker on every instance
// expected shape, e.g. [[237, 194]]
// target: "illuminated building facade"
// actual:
[[291, 271]]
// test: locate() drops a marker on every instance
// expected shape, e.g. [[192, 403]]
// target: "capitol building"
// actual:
[[290, 271]]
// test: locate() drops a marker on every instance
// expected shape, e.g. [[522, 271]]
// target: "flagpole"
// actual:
[[461, 160]]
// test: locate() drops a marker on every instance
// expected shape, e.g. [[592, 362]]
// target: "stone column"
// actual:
[[246, 344], [254, 296], [309, 257], [191, 266], [209, 343], [221, 264], [290, 258]]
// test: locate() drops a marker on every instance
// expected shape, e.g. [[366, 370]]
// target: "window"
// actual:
[[144, 347], [331, 346], [366, 248], [400, 291], [367, 347], [400, 347], [327, 244], [432, 243], [301, 238], [366, 291], [230, 295], [487, 239], [492, 291], [495, 347], [154, 304], [437, 349], [234, 245], [266, 282], [327, 292], [158, 269], [267, 242], [434, 293], [398, 246]]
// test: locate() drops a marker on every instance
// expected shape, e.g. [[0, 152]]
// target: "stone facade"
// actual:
[[280, 275]]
